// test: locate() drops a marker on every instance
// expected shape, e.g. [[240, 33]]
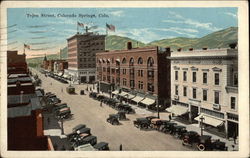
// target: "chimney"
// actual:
[[129, 45], [233, 45], [191, 49], [204, 48], [179, 49]]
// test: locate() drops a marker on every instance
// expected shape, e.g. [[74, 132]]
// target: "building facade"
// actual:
[[16, 63], [204, 85], [82, 49], [139, 70]]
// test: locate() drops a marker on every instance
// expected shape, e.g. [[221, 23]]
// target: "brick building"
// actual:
[[54, 65], [82, 49], [204, 84], [142, 74], [16, 63]]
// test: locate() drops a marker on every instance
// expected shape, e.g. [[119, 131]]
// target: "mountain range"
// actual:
[[218, 39]]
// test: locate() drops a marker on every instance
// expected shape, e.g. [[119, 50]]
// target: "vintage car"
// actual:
[[83, 130], [121, 115], [93, 95], [219, 145], [204, 143], [78, 127], [151, 117], [156, 123], [90, 139], [190, 138], [70, 90], [78, 137], [162, 126], [63, 113], [82, 92], [142, 123], [168, 127], [101, 146], [59, 106], [179, 131], [100, 97], [113, 119]]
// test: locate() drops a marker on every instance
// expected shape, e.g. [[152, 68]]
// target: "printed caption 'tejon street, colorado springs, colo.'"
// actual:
[[45, 15]]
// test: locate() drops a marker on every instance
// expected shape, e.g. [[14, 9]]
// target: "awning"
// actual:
[[115, 92], [123, 94], [148, 101], [130, 96], [137, 99], [108, 60], [118, 60], [177, 110], [210, 120], [60, 74]]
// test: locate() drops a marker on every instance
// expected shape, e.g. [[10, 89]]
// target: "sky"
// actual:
[[49, 34]]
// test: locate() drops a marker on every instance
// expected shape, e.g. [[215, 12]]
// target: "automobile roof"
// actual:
[[101, 144]]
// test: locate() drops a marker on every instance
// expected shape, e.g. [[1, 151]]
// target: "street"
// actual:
[[87, 111]]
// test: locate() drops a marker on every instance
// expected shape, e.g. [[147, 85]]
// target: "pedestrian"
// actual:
[[170, 117], [101, 104], [48, 120], [120, 147], [62, 90]]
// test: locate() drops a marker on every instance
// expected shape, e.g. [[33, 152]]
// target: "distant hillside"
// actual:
[[214, 40]]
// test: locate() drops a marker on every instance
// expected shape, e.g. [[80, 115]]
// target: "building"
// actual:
[[54, 65], [204, 85], [82, 49], [140, 74], [16, 63], [25, 120]]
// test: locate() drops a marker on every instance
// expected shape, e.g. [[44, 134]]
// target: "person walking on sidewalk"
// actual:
[[101, 103], [120, 147]]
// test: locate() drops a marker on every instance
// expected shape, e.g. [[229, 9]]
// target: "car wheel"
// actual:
[[201, 147]]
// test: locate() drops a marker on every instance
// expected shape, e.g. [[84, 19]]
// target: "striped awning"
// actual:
[[130, 96], [123, 94], [137, 99], [148, 101], [178, 110], [210, 120], [115, 92]]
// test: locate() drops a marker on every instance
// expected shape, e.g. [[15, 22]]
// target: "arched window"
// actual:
[[150, 62], [131, 61], [140, 61], [124, 61]]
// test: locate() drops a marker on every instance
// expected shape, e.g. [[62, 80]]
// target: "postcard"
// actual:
[[124, 79]]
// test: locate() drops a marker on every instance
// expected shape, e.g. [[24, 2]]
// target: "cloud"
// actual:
[[117, 13], [180, 31], [194, 23], [231, 14]]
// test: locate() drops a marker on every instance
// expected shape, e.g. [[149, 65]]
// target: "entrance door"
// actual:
[[91, 79], [83, 79], [194, 112], [232, 129]]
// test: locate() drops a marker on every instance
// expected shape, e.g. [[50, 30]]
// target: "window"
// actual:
[[140, 84], [185, 91], [204, 77], [194, 93], [176, 75], [140, 73], [124, 71], [150, 62], [235, 79], [131, 62], [150, 73], [140, 61], [150, 87], [204, 95], [194, 76], [216, 78], [124, 61], [124, 81], [132, 83], [233, 100], [176, 90], [184, 75], [216, 97]]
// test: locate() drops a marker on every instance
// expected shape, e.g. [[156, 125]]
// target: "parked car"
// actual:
[[78, 137], [121, 115], [204, 143], [78, 127], [63, 113], [162, 126], [100, 97], [101, 146], [219, 145], [93, 95], [142, 123], [90, 139], [83, 130], [190, 138], [156, 123], [113, 119], [151, 117], [179, 131], [70, 89], [59, 106], [169, 127]]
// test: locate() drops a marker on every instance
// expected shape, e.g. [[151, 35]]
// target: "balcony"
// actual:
[[233, 89]]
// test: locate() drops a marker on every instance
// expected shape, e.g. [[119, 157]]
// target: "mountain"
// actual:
[[214, 40]]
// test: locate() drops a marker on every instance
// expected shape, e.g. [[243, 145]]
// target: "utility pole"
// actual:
[[157, 104], [201, 124]]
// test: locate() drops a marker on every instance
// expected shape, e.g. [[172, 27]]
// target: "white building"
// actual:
[[204, 84]]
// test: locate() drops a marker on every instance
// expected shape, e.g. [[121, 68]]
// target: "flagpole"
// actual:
[[106, 37], [23, 49]]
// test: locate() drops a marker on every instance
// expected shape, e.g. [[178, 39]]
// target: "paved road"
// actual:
[[88, 111]]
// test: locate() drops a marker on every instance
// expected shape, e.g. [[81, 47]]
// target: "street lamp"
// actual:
[[157, 104], [201, 124]]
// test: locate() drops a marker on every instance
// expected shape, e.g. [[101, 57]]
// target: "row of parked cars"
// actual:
[[60, 110], [112, 102], [56, 77], [189, 138], [81, 135]]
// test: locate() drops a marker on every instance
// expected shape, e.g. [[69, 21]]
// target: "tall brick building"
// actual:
[[142, 73], [82, 49], [16, 63]]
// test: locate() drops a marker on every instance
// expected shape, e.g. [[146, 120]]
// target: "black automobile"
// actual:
[[41, 90], [151, 117], [78, 137], [113, 119], [101, 146], [219, 145], [59, 106], [83, 130], [142, 123], [121, 115], [129, 109], [63, 113], [78, 127], [168, 127], [204, 143], [90, 139], [190, 138], [179, 131], [93, 95], [100, 97]]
